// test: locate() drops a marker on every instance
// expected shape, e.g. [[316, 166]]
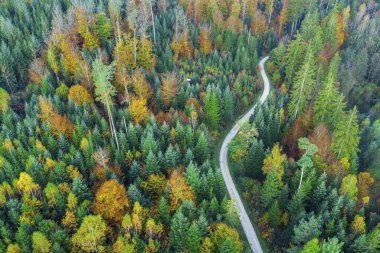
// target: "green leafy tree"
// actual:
[[40, 243], [312, 246], [104, 90], [91, 235]]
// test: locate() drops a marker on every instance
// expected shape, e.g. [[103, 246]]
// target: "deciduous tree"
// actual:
[[111, 201]]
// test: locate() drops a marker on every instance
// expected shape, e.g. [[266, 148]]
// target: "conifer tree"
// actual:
[[254, 160], [346, 136], [329, 104], [271, 188], [178, 231], [201, 149], [213, 109], [193, 242], [303, 84]]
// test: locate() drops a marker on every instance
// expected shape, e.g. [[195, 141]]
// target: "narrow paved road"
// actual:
[[244, 219]]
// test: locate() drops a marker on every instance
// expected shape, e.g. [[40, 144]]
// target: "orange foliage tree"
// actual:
[[170, 87], [111, 201], [58, 123], [205, 42]]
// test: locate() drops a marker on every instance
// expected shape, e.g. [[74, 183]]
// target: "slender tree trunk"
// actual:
[[110, 118], [291, 33], [299, 186]]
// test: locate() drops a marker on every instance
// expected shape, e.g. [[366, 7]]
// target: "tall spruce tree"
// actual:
[[346, 136], [303, 84], [271, 188]]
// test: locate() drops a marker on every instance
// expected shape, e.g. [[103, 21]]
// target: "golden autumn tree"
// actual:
[[365, 180], [140, 86], [170, 87], [71, 59], [205, 41], [138, 109], [275, 159], [111, 201], [259, 25], [4, 100], [79, 94], [282, 18], [155, 185], [83, 28], [145, 56], [59, 124], [179, 190]]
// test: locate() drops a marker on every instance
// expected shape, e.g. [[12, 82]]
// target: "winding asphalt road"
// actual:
[[223, 158]]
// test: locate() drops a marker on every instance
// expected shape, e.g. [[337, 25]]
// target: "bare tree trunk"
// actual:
[[113, 129], [299, 186]]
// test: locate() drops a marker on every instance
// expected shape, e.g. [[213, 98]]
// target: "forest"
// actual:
[[113, 112]]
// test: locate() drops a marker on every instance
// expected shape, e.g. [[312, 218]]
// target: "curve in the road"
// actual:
[[223, 158]]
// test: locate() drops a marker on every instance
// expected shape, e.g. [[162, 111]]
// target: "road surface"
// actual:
[[244, 219]]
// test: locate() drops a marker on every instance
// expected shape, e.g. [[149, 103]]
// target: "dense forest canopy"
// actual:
[[112, 114]]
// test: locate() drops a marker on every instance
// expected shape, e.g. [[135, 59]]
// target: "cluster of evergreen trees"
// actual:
[[313, 191]]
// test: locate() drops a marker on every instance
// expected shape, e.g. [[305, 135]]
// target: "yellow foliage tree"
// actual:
[[222, 232], [358, 225], [13, 248], [26, 185], [179, 190], [140, 86], [111, 201], [145, 56], [155, 185], [91, 235], [170, 87], [138, 109], [79, 94], [205, 42], [4, 100], [275, 159]]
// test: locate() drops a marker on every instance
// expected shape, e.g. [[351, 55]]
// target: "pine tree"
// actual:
[[346, 136], [254, 159], [213, 109], [271, 188], [164, 211], [329, 104], [227, 246], [152, 164], [294, 57], [201, 149], [303, 84], [274, 214], [178, 231], [228, 104], [193, 240]]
